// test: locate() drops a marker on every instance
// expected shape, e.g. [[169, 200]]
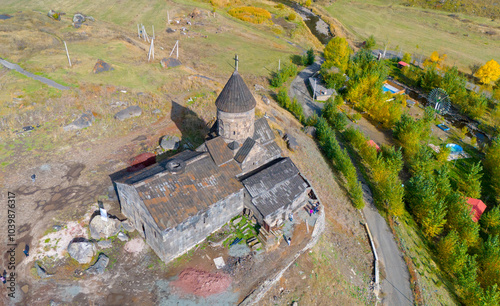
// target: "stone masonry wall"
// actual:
[[236, 126], [133, 208], [194, 230]]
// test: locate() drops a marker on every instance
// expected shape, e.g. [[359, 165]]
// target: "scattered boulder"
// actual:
[[170, 30], [156, 111], [81, 250], [129, 112], [292, 143], [168, 142], [78, 18], [102, 66], [310, 130], [266, 100], [122, 236], [105, 244], [170, 62], [99, 266], [118, 104], [127, 226], [41, 271], [54, 15], [85, 120], [103, 229]]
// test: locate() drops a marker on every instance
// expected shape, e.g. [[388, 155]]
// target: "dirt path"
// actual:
[[17, 68]]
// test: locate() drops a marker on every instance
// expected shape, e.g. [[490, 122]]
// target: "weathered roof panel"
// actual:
[[269, 177], [173, 198], [280, 196], [244, 150], [263, 132], [235, 97], [219, 150]]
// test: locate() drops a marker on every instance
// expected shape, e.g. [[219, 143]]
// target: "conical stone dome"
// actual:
[[235, 97]]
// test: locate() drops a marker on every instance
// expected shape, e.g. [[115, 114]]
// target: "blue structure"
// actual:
[[443, 127], [455, 149]]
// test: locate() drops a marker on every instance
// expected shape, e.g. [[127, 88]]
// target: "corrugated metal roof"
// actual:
[[219, 150], [263, 132], [172, 198], [244, 150], [281, 195], [269, 177], [235, 97]]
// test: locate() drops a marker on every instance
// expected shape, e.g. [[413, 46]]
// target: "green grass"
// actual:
[[407, 27]]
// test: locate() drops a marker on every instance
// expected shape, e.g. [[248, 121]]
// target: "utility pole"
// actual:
[[279, 64], [236, 62], [67, 53]]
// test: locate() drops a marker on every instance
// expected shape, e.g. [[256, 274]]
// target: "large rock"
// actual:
[[99, 266], [170, 62], [310, 130], [168, 142], [102, 66], [129, 112], [78, 18], [122, 236], [81, 250], [85, 120], [127, 226], [41, 271], [103, 229], [292, 143]]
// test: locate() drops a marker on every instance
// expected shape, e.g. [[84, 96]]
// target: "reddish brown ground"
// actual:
[[202, 283]]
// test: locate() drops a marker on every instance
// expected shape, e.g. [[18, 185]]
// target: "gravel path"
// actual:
[[17, 68]]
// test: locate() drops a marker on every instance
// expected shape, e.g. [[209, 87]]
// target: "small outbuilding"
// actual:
[[402, 64]]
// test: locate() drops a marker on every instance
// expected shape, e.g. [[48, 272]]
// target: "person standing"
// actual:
[[289, 241], [33, 178]]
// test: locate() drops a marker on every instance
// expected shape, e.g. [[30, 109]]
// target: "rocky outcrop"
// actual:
[[129, 112], [99, 266], [103, 229], [170, 62], [102, 66], [41, 271], [168, 142], [81, 250], [85, 120]]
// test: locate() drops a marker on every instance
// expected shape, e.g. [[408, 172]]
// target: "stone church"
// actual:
[[177, 203]]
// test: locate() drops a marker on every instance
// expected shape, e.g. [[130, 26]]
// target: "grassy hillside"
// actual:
[[466, 40]]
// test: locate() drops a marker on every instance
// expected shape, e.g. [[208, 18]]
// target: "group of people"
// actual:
[[314, 209]]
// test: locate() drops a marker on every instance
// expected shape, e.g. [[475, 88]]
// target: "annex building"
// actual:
[[177, 203]]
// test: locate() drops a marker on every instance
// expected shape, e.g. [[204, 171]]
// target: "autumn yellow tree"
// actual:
[[435, 58], [338, 52], [488, 72]]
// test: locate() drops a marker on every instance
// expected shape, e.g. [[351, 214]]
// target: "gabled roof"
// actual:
[[172, 198], [262, 132], [219, 150], [269, 177], [478, 207], [244, 150], [281, 195], [235, 97]]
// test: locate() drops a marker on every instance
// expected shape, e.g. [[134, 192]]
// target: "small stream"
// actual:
[[318, 26]]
